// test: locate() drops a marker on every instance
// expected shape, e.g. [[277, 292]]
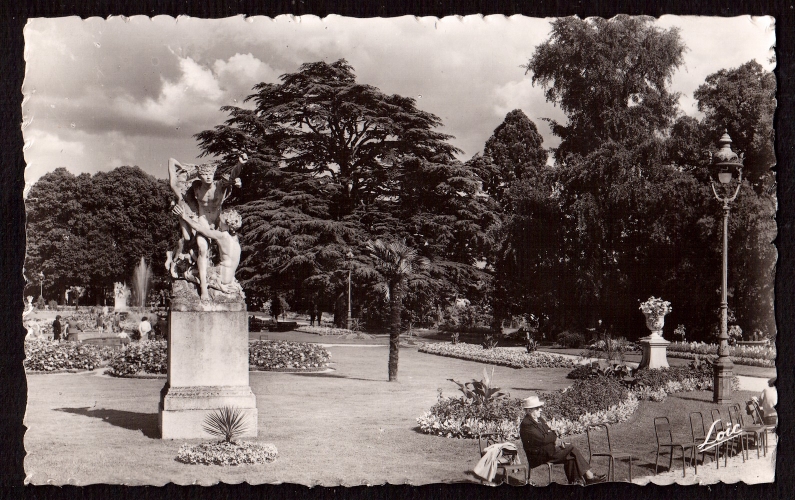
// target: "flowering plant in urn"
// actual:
[[655, 310]]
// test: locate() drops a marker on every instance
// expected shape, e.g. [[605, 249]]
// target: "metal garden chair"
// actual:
[[510, 466], [699, 433], [665, 439], [610, 453]]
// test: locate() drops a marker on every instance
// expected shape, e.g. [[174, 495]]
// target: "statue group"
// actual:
[[207, 318], [203, 220]]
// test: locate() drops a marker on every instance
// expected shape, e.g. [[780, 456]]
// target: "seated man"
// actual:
[[541, 445]]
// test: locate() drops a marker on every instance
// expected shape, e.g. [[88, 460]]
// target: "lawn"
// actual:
[[349, 426]]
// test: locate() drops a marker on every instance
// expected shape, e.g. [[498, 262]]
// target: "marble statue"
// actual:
[[199, 204], [121, 294]]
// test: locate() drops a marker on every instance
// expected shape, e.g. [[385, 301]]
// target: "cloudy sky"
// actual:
[[100, 93]]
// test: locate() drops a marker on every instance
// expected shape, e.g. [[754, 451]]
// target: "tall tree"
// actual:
[[511, 153], [395, 263], [610, 77], [742, 100], [321, 121]]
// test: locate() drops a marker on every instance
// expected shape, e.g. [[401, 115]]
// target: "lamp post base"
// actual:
[[722, 381]]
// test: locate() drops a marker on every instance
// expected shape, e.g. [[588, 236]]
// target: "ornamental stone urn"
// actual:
[[654, 345], [654, 323]]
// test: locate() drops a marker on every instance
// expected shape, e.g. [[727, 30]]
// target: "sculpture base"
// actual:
[[183, 410], [207, 369], [654, 352]]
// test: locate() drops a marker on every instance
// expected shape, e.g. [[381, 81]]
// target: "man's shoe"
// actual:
[[598, 478]]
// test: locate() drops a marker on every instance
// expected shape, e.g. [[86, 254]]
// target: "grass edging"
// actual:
[[47, 372]]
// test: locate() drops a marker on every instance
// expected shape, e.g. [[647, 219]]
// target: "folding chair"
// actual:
[[610, 453], [665, 439], [510, 466]]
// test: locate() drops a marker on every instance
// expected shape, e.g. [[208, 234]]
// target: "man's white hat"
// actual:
[[532, 402]]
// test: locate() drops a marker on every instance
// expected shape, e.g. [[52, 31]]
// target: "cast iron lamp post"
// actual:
[[41, 284], [726, 162], [348, 257]]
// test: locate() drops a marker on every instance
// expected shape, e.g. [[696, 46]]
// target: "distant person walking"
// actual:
[[56, 328], [144, 327]]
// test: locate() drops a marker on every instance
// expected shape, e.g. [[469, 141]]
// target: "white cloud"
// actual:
[[156, 82]]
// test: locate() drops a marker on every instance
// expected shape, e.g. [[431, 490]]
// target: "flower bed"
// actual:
[[278, 355], [325, 330], [568, 411], [501, 356], [656, 385], [741, 352], [616, 345], [767, 363], [223, 453], [43, 355], [147, 357], [140, 359]]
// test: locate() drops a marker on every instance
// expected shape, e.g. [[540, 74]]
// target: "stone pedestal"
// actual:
[[207, 367], [654, 352]]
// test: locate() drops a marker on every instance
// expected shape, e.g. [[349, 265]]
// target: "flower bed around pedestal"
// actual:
[[223, 453], [501, 356]]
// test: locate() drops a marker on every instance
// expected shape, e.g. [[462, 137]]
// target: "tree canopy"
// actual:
[[627, 211], [335, 163], [610, 77], [742, 101], [512, 152], [93, 230]]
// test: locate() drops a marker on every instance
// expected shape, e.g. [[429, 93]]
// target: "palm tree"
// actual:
[[395, 263]]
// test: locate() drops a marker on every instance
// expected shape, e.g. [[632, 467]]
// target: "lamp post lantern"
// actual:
[[41, 284], [726, 162]]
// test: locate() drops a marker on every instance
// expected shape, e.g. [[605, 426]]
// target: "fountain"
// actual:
[[142, 276]]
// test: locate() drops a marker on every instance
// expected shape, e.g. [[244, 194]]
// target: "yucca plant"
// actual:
[[228, 423]]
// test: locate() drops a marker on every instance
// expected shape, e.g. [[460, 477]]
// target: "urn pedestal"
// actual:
[[207, 367], [654, 346]]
